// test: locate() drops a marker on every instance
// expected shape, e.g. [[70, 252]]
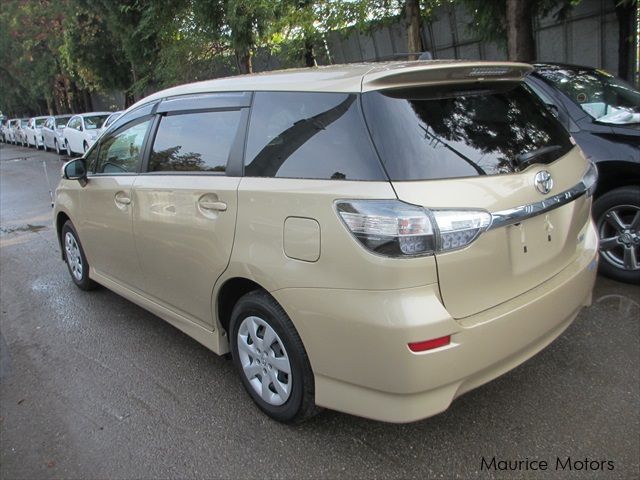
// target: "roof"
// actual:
[[355, 78]]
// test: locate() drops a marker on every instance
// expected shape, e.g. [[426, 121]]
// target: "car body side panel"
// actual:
[[264, 204]]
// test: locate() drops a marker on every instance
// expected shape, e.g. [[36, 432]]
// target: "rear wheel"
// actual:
[[57, 147], [617, 217], [75, 258], [271, 359], [85, 147]]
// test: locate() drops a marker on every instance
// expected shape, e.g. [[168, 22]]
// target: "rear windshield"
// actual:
[[40, 121], [462, 131]]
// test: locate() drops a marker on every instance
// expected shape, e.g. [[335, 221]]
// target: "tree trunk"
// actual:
[[129, 99], [520, 40], [625, 13], [309, 54], [412, 20], [244, 60], [86, 99]]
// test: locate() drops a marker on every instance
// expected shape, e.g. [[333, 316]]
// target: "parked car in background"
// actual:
[[52, 132], [4, 130], [20, 132], [82, 130], [110, 119], [376, 240], [602, 113], [33, 131], [10, 130]]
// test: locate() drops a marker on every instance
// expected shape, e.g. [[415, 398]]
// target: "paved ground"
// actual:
[[91, 386]]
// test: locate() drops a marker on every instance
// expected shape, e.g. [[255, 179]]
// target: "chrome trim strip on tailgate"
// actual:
[[514, 215]]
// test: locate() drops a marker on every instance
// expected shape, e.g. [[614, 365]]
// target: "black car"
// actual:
[[602, 113]]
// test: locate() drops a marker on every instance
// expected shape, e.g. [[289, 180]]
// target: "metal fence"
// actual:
[[589, 36]]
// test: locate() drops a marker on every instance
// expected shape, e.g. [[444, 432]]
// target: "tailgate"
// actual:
[[512, 256]]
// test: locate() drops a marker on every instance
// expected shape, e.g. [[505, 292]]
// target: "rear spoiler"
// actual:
[[436, 72]]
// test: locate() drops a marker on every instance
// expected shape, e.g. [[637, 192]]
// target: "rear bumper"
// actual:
[[357, 340]]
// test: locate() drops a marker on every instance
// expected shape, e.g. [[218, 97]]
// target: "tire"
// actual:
[[617, 218], [67, 149], [75, 258], [293, 402], [85, 147], [57, 147]]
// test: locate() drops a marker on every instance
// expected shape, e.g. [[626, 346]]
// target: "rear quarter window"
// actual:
[[309, 135], [461, 131]]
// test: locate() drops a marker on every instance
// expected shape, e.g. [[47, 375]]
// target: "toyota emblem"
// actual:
[[543, 181]]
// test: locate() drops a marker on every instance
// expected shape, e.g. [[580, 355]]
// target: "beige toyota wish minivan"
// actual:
[[376, 239]]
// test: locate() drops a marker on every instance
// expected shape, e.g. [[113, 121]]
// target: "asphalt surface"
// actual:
[[92, 386]]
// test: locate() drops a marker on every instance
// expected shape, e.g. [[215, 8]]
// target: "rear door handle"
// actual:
[[122, 199], [210, 205]]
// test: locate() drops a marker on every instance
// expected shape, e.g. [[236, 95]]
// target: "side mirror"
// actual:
[[75, 170]]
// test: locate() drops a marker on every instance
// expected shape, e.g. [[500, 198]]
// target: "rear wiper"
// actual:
[[526, 159]]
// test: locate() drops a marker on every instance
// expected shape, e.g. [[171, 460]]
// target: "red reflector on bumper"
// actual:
[[430, 344]]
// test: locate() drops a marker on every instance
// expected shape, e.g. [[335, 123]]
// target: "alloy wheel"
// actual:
[[619, 231]]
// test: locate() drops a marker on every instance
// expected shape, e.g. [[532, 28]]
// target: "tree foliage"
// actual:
[[55, 53]]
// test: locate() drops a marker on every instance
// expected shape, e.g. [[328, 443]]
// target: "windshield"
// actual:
[[461, 131], [62, 122], [604, 97], [94, 122]]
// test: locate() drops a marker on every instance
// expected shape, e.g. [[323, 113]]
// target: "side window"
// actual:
[[309, 135], [121, 151], [91, 159], [194, 142], [72, 123]]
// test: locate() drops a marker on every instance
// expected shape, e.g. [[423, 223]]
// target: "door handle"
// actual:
[[209, 205], [122, 199]]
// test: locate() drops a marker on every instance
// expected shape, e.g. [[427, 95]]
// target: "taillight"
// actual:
[[397, 229], [590, 179]]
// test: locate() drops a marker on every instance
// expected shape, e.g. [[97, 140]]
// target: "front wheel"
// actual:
[[617, 217], [75, 257], [271, 359]]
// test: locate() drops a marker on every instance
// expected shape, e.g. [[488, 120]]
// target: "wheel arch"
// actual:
[[615, 174], [228, 295], [61, 219]]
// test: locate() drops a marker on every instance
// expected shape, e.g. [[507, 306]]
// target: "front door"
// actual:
[[106, 204]]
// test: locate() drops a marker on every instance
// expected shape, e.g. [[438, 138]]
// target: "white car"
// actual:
[[33, 131], [10, 131], [4, 131], [112, 118], [19, 131], [82, 131], [52, 132]]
